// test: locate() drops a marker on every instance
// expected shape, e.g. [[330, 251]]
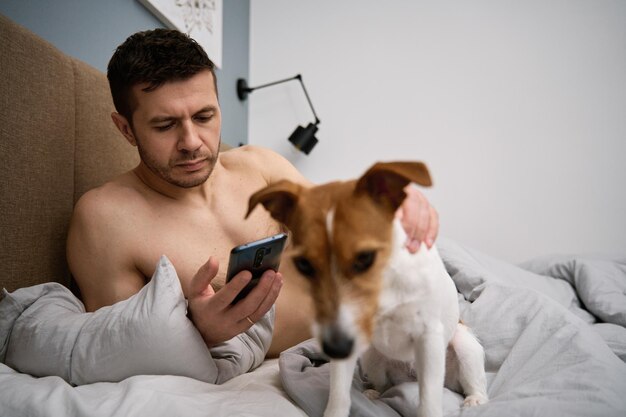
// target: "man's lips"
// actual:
[[192, 165]]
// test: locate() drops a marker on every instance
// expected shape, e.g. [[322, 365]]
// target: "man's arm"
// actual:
[[97, 254], [274, 167]]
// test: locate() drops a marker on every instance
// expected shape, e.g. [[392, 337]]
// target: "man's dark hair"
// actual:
[[153, 57]]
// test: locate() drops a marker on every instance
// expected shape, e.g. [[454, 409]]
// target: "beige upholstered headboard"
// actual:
[[56, 142]]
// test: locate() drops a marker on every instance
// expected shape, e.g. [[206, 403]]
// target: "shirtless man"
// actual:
[[187, 200]]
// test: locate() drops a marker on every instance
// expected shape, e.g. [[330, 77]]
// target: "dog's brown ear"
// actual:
[[385, 181], [279, 199]]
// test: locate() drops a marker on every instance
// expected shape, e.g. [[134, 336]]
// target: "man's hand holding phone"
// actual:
[[216, 315], [256, 257]]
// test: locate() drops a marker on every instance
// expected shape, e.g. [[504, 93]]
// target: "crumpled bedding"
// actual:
[[154, 359], [553, 330], [257, 393]]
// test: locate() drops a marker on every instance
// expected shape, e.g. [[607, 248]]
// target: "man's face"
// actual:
[[176, 128]]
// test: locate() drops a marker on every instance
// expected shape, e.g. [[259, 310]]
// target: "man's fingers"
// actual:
[[419, 220], [269, 299], [229, 291], [423, 219], [200, 282], [415, 218], [249, 306], [433, 230]]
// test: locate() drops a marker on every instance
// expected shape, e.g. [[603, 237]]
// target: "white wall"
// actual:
[[518, 107]]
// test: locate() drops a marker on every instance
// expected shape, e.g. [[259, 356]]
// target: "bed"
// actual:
[[553, 330]]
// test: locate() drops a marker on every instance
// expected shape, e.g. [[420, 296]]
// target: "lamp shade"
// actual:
[[303, 138]]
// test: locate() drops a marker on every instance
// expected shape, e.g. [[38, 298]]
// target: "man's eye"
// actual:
[[304, 266], [363, 261], [163, 128], [204, 118]]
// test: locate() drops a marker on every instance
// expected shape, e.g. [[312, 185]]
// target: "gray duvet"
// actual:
[[553, 329]]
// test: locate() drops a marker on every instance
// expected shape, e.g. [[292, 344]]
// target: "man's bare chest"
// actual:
[[189, 239]]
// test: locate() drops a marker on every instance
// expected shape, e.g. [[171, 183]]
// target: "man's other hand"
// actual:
[[419, 219]]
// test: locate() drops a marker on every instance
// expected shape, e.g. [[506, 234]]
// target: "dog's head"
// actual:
[[341, 235]]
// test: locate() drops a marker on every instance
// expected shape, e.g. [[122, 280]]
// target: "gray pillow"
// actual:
[[44, 330]]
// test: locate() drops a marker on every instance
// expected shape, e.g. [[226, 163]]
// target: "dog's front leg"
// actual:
[[430, 365], [341, 374]]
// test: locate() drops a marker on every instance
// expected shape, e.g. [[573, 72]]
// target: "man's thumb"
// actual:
[[200, 282]]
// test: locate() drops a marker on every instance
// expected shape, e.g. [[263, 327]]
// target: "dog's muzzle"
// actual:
[[336, 343]]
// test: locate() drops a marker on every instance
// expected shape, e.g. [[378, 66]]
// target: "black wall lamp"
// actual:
[[303, 138]]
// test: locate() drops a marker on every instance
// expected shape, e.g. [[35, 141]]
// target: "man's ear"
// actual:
[[124, 127], [384, 182], [279, 199]]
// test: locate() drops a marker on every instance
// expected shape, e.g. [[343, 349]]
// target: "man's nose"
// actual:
[[189, 139]]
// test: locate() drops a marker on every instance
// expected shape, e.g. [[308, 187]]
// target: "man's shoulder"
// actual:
[[260, 161], [109, 199], [246, 154]]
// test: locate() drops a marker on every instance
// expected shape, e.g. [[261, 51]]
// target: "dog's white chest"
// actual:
[[418, 296]]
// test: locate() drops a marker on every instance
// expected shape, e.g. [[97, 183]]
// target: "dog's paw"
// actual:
[[371, 394], [474, 399]]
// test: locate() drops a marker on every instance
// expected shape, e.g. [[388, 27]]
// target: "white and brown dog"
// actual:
[[372, 297]]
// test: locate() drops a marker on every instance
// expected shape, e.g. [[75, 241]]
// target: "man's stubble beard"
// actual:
[[165, 172]]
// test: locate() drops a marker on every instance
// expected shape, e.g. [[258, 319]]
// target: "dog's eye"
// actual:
[[363, 261], [304, 266]]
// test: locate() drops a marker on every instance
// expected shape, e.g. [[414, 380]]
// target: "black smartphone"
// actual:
[[256, 257]]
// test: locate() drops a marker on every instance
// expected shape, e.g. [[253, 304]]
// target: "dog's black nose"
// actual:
[[336, 344]]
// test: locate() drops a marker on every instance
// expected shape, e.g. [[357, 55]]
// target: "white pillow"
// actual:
[[147, 334]]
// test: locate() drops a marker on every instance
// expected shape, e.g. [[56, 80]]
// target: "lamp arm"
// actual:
[[299, 77], [243, 90], [258, 87]]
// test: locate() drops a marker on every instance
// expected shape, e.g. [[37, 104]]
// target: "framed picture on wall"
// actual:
[[200, 19]]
